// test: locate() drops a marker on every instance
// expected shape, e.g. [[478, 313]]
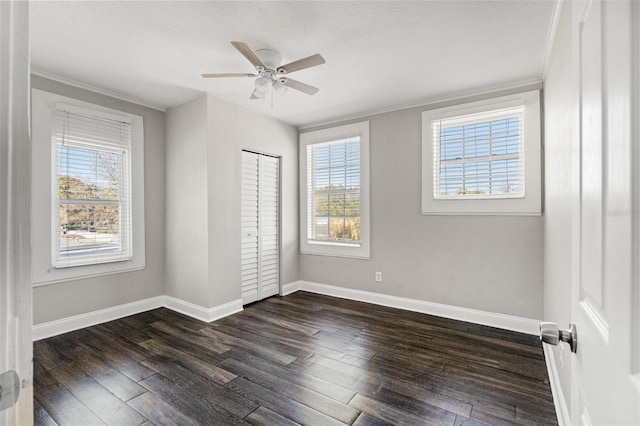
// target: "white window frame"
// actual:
[[528, 205], [330, 248], [43, 197], [124, 201]]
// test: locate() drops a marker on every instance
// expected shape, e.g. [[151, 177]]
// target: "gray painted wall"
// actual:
[[205, 138], [487, 263], [232, 129], [560, 119], [187, 240], [56, 301]]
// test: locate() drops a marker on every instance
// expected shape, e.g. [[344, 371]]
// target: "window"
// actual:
[[334, 195], [88, 190], [92, 191], [333, 191], [479, 155], [483, 157]]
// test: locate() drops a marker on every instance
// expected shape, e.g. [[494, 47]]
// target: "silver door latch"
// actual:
[[549, 333], [9, 389]]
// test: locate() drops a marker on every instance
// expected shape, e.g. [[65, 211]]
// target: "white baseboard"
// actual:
[[65, 325], [200, 313], [562, 411], [506, 322], [290, 288], [76, 322]]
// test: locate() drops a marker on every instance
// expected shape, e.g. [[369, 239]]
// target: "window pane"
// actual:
[[321, 228], [345, 230], [352, 204], [451, 179], [479, 156], [337, 177], [321, 204], [88, 174], [88, 228], [336, 204], [93, 190], [334, 176]]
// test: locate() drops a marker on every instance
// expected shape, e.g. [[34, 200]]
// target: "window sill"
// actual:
[[58, 275], [348, 251], [502, 213]]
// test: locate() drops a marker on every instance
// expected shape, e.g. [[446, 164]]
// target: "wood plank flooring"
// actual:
[[300, 359]]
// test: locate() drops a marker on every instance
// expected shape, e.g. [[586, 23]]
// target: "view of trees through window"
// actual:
[[334, 176], [88, 198]]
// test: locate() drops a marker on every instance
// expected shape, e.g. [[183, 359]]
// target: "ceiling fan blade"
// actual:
[[300, 64], [254, 95], [248, 53], [228, 74], [302, 87]]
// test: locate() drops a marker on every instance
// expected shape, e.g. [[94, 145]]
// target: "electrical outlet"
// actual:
[[378, 277]]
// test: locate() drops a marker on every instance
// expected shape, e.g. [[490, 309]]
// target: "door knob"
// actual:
[[549, 333]]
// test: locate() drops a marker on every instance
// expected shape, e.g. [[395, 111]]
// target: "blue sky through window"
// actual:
[[337, 165]]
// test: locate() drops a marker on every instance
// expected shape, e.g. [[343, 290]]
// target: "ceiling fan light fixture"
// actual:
[[262, 84], [279, 86]]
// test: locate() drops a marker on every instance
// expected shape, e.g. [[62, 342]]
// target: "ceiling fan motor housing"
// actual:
[[270, 58]]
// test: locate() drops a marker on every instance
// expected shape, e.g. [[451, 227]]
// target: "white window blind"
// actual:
[[333, 192], [479, 156], [92, 189]]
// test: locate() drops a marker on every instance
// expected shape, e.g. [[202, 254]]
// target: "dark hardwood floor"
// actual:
[[299, 359]]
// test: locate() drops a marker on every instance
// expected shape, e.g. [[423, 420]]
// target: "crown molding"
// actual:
[[101, 91], [520, 86], [551, 35]]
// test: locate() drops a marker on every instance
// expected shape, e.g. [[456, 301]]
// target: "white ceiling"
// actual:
[[380, 55]]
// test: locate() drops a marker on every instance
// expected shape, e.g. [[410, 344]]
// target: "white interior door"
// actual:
[[16, 390], [606, 383], [260, 242]]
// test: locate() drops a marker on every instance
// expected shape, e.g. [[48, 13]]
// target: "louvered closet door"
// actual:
[[250, 222], [260, 202]]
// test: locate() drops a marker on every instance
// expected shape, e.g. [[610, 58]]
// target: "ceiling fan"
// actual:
[[270, 76]]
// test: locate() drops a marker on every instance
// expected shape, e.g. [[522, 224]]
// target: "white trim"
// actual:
[[436, 101], [42, 230], [530, 204], [551, 36], [65, 325], [506, 322], [562, 412], [290, 288], [121, 268], [74, 83], [329, 248], [76, 322], [200, 313]]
